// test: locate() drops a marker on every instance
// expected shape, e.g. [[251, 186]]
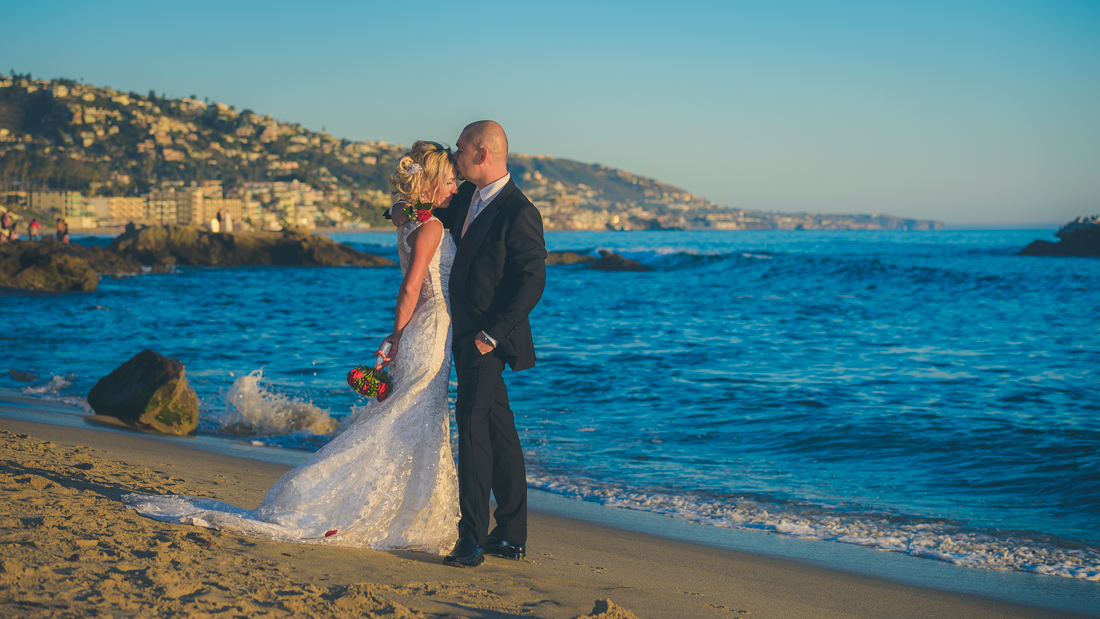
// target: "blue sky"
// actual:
[[967, 112]]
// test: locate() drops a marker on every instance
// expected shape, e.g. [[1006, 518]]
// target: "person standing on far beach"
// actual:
[[7, 228], [34, 230], [62, 230]]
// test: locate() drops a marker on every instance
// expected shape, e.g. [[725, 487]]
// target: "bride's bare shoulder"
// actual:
[[426, 235]]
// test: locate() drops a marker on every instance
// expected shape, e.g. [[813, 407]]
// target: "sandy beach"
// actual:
[[70, 548]]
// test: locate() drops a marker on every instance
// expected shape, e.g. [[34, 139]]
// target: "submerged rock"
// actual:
[[173, 244], [563, 258], [149, 392], [23, 377], [614, 262], [1080, 238], [608, 261]]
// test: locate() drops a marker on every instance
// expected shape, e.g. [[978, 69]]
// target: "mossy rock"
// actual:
[[149, 392]]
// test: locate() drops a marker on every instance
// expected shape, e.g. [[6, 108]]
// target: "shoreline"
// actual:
[[764, 574]]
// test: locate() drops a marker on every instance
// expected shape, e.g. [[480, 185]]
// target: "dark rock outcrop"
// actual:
[[608, 261], [52, 266], [1080, 238], [564, 258], [191, 245], [149, 392], [614, 262], [44, 267]]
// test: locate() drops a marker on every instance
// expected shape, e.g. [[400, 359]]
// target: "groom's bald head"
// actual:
[[482, 154], [487, 134]]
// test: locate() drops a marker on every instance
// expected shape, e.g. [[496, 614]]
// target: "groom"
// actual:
[[497, 278]]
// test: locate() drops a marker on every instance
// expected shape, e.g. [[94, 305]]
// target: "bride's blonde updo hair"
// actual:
[[426, 164]]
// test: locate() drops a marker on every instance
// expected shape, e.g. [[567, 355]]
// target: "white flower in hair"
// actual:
[[414, 168]]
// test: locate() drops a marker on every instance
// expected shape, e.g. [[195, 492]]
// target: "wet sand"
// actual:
[[69, 548]]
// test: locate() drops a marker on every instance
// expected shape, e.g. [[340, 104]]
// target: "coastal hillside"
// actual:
[[58, 135]]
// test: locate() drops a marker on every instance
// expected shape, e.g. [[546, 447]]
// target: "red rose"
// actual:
[[383, 391], [354, 376], [330, 533], [423, 216]]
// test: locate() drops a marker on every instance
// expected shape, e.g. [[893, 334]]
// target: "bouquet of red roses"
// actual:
[[421, 211], [371, 382]]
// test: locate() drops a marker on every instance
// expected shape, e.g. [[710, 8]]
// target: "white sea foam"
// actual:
[[920, 538], [53, 391], [251, 410], [56, 384]]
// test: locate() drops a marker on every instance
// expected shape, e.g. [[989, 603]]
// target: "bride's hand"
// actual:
[[394, 340]]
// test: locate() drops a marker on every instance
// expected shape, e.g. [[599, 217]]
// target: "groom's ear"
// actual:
[[481, 155]]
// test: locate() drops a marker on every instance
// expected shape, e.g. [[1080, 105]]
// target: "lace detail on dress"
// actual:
[[388, 479]]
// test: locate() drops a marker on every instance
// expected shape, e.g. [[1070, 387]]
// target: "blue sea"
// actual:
[[928, 393]]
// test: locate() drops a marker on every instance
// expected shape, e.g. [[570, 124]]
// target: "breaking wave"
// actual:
[[919, 537], [54, 391], [55, 386], [252, 410]]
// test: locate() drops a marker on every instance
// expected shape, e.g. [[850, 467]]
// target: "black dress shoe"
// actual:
[[466, 553], [497, 547]]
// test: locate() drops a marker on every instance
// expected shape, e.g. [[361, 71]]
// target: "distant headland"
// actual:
[[101, 157]]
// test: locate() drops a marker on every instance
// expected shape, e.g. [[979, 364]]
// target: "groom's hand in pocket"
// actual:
[[483, 343]]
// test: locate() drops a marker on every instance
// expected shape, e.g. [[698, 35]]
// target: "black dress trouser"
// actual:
[[489, 452]]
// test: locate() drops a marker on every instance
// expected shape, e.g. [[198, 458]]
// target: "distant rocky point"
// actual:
[[1079, 238], [52, 266], [191, 245]]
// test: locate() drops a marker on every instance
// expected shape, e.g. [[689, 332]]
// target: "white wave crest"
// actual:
[[56, 384], [251, 410], [52, 391], [937, 540]]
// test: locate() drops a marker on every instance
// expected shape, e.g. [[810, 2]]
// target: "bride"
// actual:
[[388, 481]]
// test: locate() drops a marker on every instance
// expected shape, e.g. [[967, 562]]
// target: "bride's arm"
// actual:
[[423, 241]]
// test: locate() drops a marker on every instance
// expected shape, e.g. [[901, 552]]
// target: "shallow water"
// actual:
[[927, 393]]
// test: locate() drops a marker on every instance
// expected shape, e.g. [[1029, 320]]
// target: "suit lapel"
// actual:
[[460, 215], [479, 227]]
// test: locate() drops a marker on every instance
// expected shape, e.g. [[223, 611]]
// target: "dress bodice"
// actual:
[[437, 279]]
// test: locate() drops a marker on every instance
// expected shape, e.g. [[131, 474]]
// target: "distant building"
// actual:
[[161, 210], [117, 209], [195, 204], [67, 204]]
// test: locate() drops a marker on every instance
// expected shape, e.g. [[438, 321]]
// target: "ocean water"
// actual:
[[928, 393]]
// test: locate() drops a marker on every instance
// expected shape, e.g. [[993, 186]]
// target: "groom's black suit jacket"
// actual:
[[499, 271]]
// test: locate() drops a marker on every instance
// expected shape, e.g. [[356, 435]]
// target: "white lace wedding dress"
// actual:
[[388, 481]]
